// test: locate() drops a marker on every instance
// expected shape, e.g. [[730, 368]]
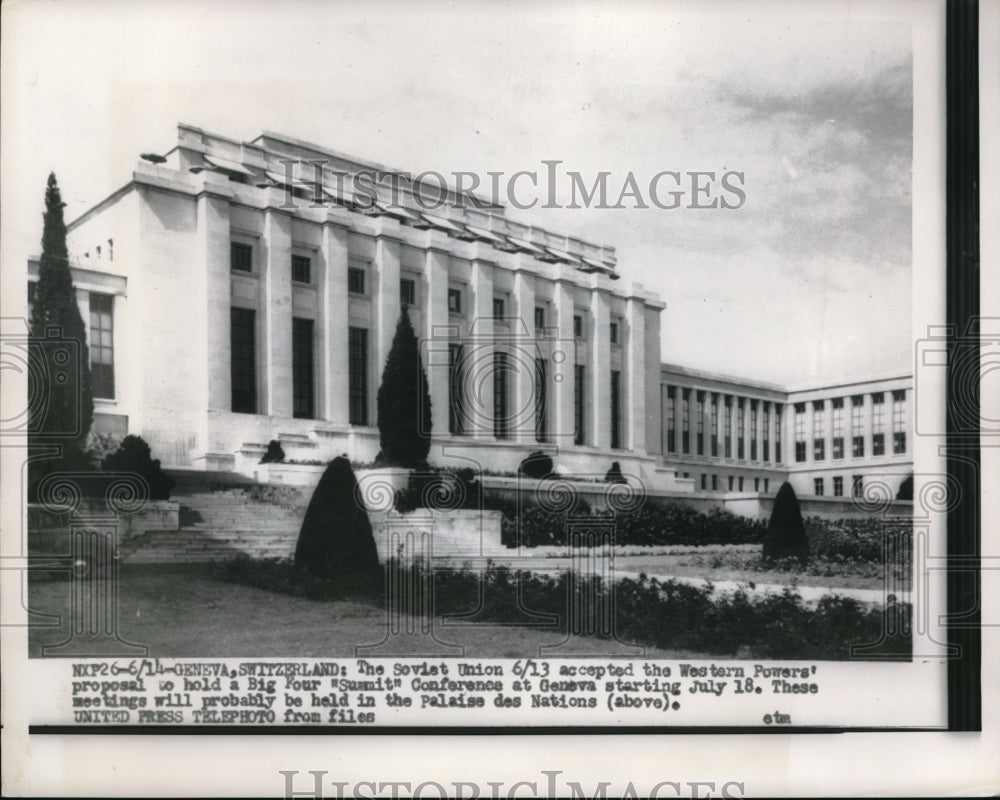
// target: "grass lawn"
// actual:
[[192, 615]]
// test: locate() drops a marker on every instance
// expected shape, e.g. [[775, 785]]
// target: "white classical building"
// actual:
[[250, 291], [240, 292]]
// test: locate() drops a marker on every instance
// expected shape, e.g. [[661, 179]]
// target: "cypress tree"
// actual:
[[404, 402], [786, 533], [62, 407]]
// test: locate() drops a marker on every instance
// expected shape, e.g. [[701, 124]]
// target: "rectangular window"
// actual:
[[767, 485], [715, 425], [857, 485], [577, 326], [616, 412], [102, 353], [671, 420], [302, 269], [357, 368], [878, 412], [685, 421], [579, 416], [899, 422], [800, 432], [756, 484], [753, 430], [818, 487], [456, 417], [539, 318], [878, 444], [819, 431], [777, 434], [838, 427], [858, 446], [741, 484], [243, 359], [731, 482], [838, 486], [704, 481], [699, 423], [303, 381], [819, 449], [728, 427], [838, 446], [715, 483], [740, 433], [767, 431], [541, 398], [498, 308], [857, 426], [613, 332], [355, 280], [455, 301], [407, 292], [501, 418], [241, 257]]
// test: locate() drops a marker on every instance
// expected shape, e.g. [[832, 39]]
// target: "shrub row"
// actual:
[[664, 614]]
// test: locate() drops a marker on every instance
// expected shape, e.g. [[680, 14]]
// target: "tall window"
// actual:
[[800, 432], [857, 426], [686, 421], [613, 332], [498, 308], [541, 398], [838, 486], [715, 424], [857, 485], [303, 382], [767, 431], [753, 430], [501, 411], [899, 421], [819, 431], [740, 425], [240, 257], [243, 359], [579, 417], [407, 292], [728, 427], [777, 433], [818, 487], [539, 319], [671, 420], [838, 427], [616, 409], [878, 424], [102, 353], [302, 269], [577, 326], [357, 368], [456, 418], [699, 423]]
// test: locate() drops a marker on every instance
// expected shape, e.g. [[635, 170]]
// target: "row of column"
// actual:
[[275, 308], [749, 432]]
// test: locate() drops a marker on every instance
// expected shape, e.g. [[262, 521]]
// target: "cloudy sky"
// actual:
[[809, 280]]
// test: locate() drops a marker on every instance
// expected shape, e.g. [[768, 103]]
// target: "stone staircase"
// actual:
[[221, 516]]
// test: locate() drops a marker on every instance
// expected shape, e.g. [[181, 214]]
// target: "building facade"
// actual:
[[242, 292]]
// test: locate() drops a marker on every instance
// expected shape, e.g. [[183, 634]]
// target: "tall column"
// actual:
[[437, 337], [734, 449], [276, 314], [635, 376], [654, 419], [679, 420], [335, 403], [563, 360], [213, 252], [481, 347], [706, 423], [523, 329], [385, 303], [600, 380]]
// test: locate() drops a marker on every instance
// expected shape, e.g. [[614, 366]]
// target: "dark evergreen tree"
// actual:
[[786, 533], [404, 402], [614, 475], [275, 453], [133, 455], [905, 489], [62, 407], [537, 465], [335, 540]]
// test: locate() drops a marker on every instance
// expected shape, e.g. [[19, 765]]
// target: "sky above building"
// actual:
[[808, 279]]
